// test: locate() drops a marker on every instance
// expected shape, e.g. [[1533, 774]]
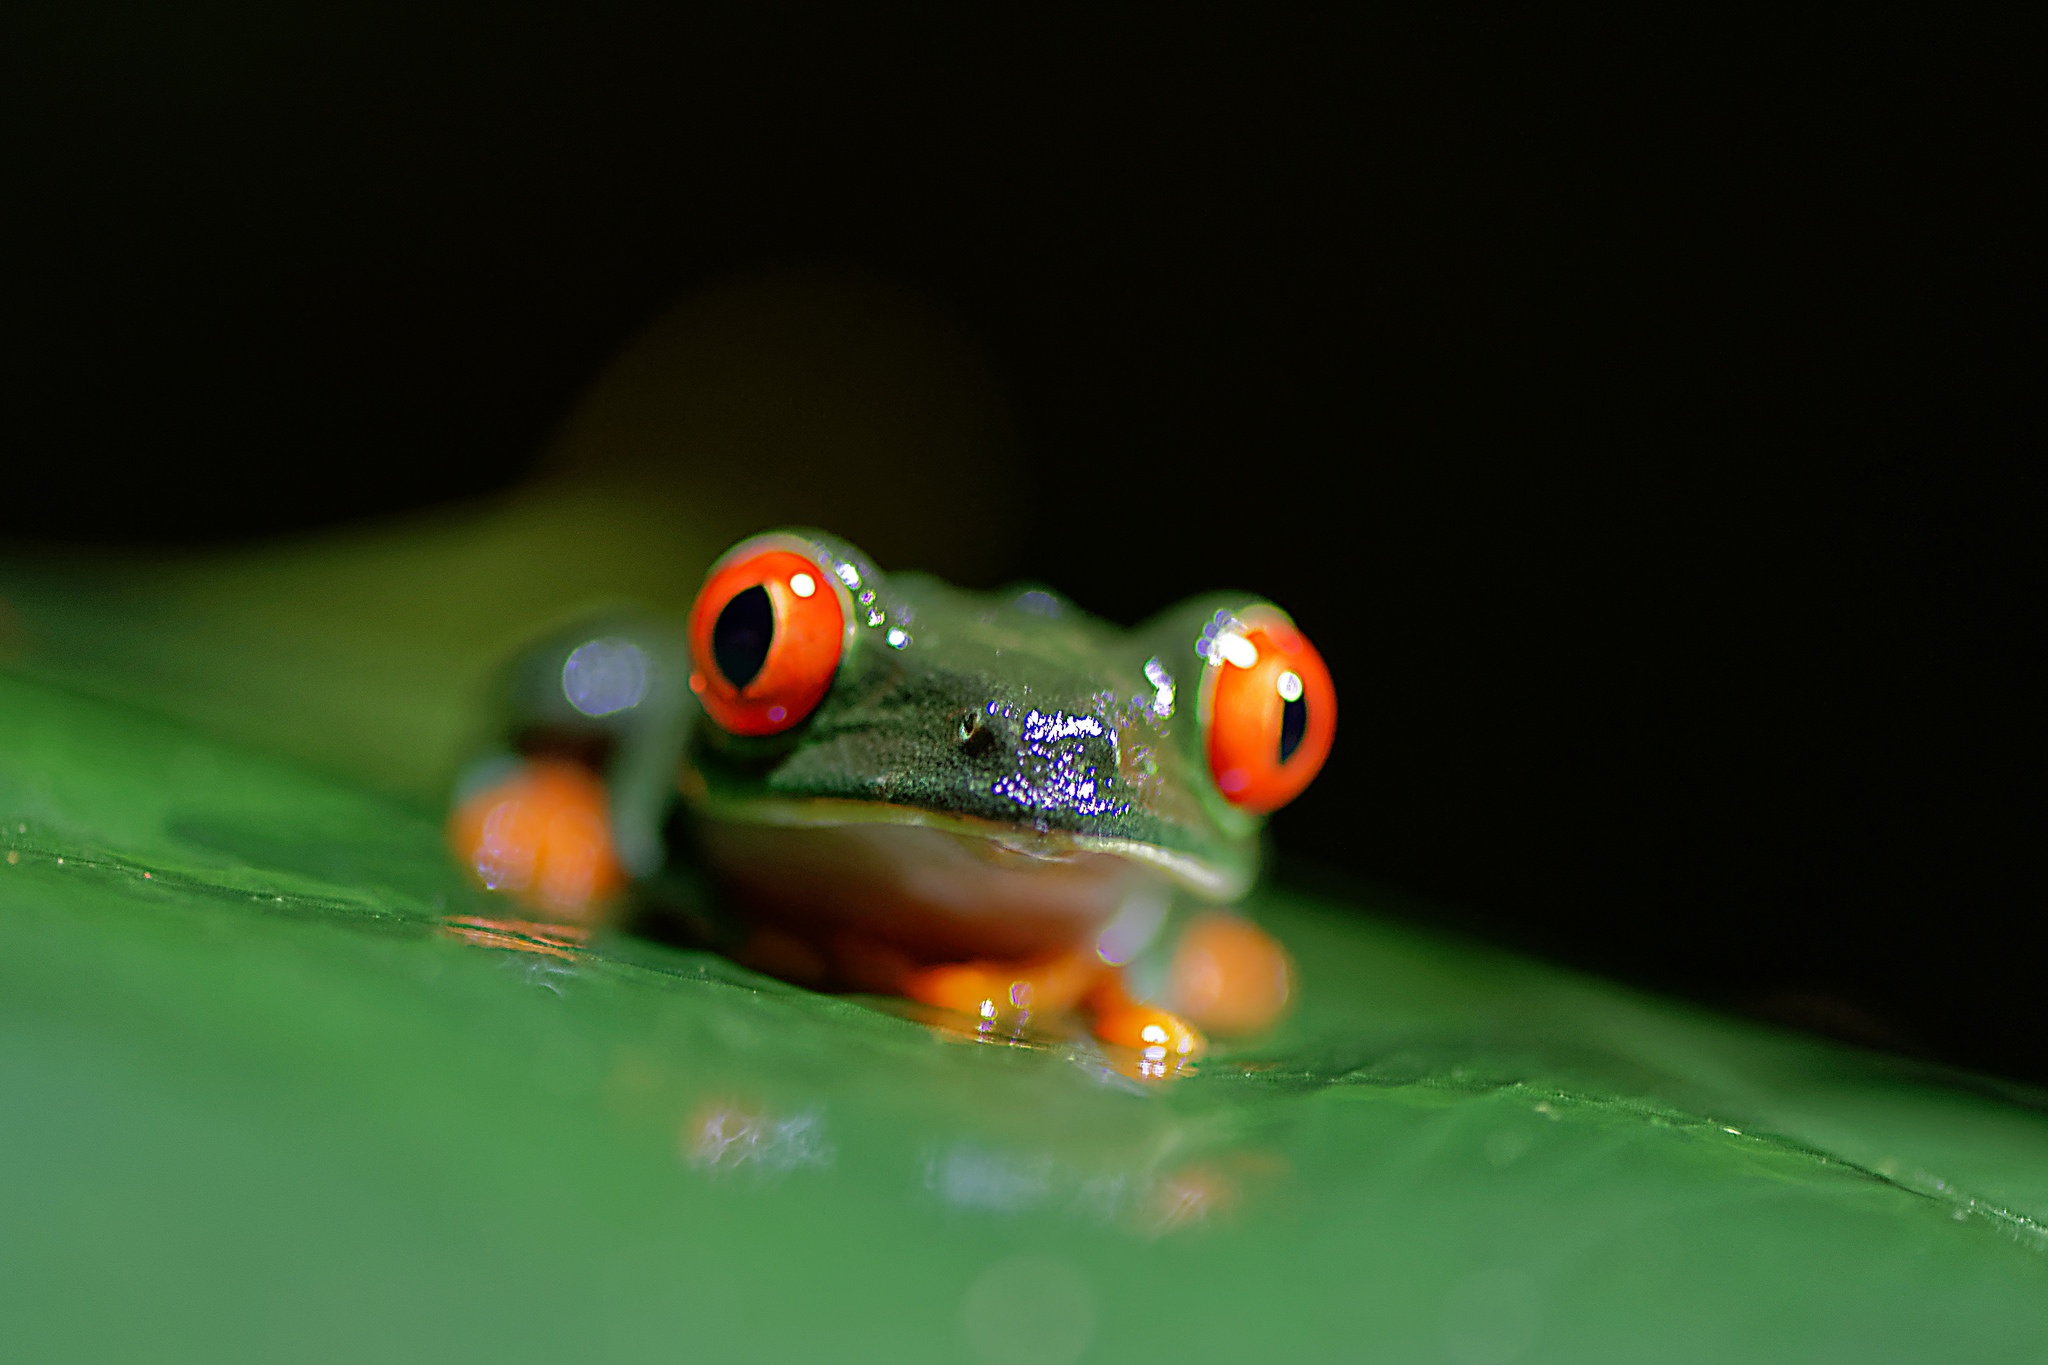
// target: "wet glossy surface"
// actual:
[[279, 1085], [1010, 708]]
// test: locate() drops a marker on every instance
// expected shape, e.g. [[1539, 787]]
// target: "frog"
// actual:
[[993, 805]]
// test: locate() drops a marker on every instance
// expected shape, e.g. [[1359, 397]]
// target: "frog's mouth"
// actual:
[[936, 885], [998, 842]]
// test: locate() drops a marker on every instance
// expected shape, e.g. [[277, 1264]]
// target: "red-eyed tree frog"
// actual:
[[987, 803]]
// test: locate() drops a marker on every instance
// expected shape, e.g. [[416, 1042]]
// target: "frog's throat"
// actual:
[[1205, 879]]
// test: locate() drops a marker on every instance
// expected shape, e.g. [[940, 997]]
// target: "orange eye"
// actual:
[[1272, 710], [766, 632]]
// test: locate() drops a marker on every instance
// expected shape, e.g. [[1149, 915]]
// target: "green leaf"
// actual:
[[259, 1100]]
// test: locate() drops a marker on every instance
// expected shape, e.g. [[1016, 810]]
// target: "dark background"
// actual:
[[1642, 435]]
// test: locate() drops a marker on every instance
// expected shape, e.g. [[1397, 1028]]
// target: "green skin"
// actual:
[[1016, 733], [1008, 736]]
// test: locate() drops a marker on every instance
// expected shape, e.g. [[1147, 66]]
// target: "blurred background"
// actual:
[[1646, 444]]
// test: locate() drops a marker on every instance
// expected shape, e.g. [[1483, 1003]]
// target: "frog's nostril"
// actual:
[[975, 734]]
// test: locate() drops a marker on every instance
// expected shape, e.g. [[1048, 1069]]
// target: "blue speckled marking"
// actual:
[[1053, 771]]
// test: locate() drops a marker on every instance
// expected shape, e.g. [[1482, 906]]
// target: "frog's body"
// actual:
[[987, 784], [989, 777]]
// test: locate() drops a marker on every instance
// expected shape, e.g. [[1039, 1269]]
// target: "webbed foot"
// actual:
[[1229, 976], [543, 837], [1164, 1041], [1007, 990]]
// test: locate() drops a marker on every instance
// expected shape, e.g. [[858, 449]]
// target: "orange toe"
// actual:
[[967, 987], [1148, 1027], [542, 836], [1230, 976], [1005, 989]]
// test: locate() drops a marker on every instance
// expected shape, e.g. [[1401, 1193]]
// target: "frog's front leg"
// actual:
[[1228, 976], [1224, 975], [564, 806], [1009, 993], [540, 832], [1161, 1035]]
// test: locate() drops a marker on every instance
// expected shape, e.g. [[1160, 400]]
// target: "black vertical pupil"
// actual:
[[1293, 725], [741, 635]]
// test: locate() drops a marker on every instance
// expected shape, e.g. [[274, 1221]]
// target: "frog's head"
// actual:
[[838, 698]]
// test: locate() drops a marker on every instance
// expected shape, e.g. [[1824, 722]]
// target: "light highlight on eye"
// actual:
[[1237, 650], [1288, 685], [803, 585]]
